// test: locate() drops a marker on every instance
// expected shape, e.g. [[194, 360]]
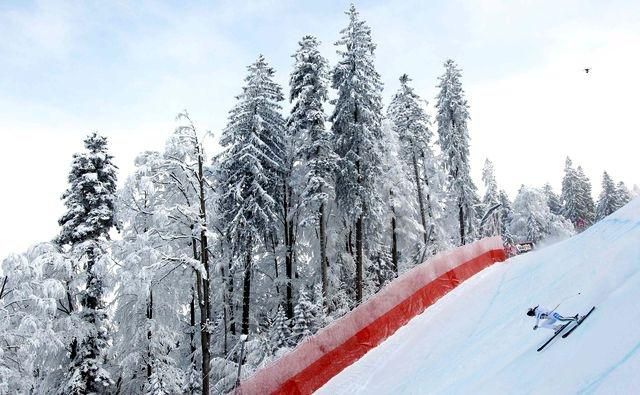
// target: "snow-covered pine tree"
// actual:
[[280, 335], [303, 319], [577, 202], [384, 254], [453, 135], [569, 195], [490, 197], [250, 170], [411, 124], [357, 127], [34, 320], [392, 181], [587, 206], [151, 294], [490, 200], [532, 219], [165, 376], [553, 200], [623, 196], [308, 92], [319, 310], [90, 201], [607, 201], [436, 181], [400, 222], [505, 211], [90, 198]]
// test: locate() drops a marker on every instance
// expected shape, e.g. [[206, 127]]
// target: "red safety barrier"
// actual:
[[321, 356]]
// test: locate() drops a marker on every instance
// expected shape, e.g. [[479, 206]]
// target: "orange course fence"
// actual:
[[320, 357]]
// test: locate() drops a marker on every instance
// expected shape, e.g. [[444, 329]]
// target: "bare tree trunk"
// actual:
[[225, 315], [205, 309], [461, 220], [246, 289], [323, 255], [4, 283], [149, 317], [195, 290], [74, 342], [225, 298], [425, 168], [275, 263], [291, 249], [192, 322], [423, 217], [232, 320], [359, 259], [347, 241], [394, 243], [288, 242]]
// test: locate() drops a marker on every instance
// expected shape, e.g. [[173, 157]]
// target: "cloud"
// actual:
[[39, 30]]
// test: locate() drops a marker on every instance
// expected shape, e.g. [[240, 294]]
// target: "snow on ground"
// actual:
[[477, 339]]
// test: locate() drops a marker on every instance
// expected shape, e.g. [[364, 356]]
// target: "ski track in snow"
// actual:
[[594, 384], [601, 377], [477, 339]]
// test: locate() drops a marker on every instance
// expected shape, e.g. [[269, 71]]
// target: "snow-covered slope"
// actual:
[[477, 339]]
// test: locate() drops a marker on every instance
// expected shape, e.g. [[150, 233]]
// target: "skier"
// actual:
[[550, 317]]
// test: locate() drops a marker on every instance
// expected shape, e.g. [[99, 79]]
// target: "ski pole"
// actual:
[[564, 300]]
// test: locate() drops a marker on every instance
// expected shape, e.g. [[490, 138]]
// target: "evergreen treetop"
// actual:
[[607, 201], [306, 124], [90, 197], [453, 136], [623, 196], [410, 120], [452, 117], [491, 186], [357, 119], [252, 163], [553, 200]]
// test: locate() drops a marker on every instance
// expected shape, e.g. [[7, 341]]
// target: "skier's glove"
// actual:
[[535, 327]]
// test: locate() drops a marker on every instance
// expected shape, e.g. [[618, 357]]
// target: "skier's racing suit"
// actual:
[[550, 318]]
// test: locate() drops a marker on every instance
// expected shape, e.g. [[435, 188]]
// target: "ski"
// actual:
[[579, 322], [554, 336]]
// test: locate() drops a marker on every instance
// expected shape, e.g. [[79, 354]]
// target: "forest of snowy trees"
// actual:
[[203, 266]]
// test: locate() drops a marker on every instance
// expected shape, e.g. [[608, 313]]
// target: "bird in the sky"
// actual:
[[587, 70]]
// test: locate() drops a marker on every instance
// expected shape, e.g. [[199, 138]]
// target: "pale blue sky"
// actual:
[[126, 68]]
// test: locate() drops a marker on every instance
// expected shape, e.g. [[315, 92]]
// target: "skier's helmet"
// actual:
[[532, 311]]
